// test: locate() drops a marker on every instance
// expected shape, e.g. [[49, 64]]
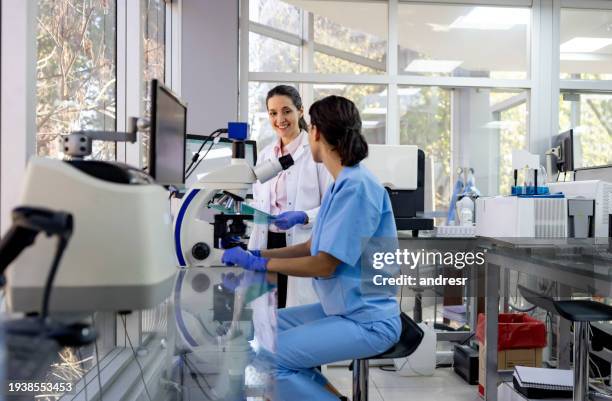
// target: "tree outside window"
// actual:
[[75, 72]]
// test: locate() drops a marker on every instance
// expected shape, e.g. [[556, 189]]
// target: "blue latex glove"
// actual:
[[231, 281], [286, 220], [230, 242], [240, 257]]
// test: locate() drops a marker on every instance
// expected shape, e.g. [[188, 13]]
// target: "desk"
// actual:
[[422, 293], [577, 265]]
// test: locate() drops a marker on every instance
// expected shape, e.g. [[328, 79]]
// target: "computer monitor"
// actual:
[[565, 142], [167, 143], [219, 156]]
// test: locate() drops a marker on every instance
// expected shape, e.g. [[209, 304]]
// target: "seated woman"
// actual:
[[348, 323]]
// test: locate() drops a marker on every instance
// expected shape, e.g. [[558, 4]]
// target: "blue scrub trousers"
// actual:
[[307, 338]]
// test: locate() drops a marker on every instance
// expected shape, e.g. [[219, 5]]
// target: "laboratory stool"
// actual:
[[581, 312], [410, 339]]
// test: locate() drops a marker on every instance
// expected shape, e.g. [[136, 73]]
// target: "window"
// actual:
[[153, 21], [590, 116], [371, 100], [425, 121], [75, 72], [509, 123], [154, 35], [327, 64], [271, 55], [471, 41], [276, 14], [490, 123], [457, 125], [354, 42], [586, 44]]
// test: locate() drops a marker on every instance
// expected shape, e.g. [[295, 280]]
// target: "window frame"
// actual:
[[390, 77]]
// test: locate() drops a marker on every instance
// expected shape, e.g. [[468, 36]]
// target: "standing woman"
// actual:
[[294, 195], [353, 320]]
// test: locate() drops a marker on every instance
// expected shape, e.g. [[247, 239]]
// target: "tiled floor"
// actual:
[[444, 385]]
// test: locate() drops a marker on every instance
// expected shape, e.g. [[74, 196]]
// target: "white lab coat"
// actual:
[[306, 182]]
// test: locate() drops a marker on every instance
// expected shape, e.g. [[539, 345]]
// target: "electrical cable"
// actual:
[[194, 376], [61, 246], [467, 339], [144, 383], [196, 156], [78, 351], [516, 297], [591, 362], [195, 167], [93, 321]]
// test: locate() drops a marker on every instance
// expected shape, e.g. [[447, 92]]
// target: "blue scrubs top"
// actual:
[[354, 209]]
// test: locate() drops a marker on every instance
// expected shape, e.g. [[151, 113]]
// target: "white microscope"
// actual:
[[213, 322]]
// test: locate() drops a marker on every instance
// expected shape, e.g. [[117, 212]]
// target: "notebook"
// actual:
[[543, 383], [549, 379]]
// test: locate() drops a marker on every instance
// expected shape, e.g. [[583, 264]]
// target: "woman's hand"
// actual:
[[246, 259], [286, 220]]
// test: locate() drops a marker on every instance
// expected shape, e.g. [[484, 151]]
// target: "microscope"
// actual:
[[212, 302]]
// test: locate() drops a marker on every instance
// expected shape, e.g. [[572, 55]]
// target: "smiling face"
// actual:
[[284, 116]]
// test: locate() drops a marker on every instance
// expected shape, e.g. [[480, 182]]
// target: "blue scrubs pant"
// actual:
[[307, 338]]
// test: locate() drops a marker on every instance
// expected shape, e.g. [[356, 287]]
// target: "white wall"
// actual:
[[209, 63], [17, 125]]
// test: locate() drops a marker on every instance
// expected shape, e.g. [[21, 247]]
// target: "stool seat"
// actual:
[[537, 299], [580, 312], [584, 310], [410, 339]]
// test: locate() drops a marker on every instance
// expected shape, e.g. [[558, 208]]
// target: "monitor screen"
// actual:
[[168, 127], [219, 156], [565, 142]]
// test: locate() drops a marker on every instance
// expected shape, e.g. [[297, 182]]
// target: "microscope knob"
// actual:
[[200, 251]]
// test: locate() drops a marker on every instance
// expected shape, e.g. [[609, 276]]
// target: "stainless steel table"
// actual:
[[578, 265]]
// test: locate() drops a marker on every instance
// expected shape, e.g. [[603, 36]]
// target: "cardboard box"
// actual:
[[507, 360]]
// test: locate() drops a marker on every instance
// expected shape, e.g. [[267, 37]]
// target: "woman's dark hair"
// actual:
[[337, 118], [294, 95]]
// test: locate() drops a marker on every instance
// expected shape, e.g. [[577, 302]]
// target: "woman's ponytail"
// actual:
[[302, 124]]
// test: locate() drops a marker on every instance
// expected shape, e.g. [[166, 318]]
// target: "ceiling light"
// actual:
[[585, 45], [492, 18], [421, 65]]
